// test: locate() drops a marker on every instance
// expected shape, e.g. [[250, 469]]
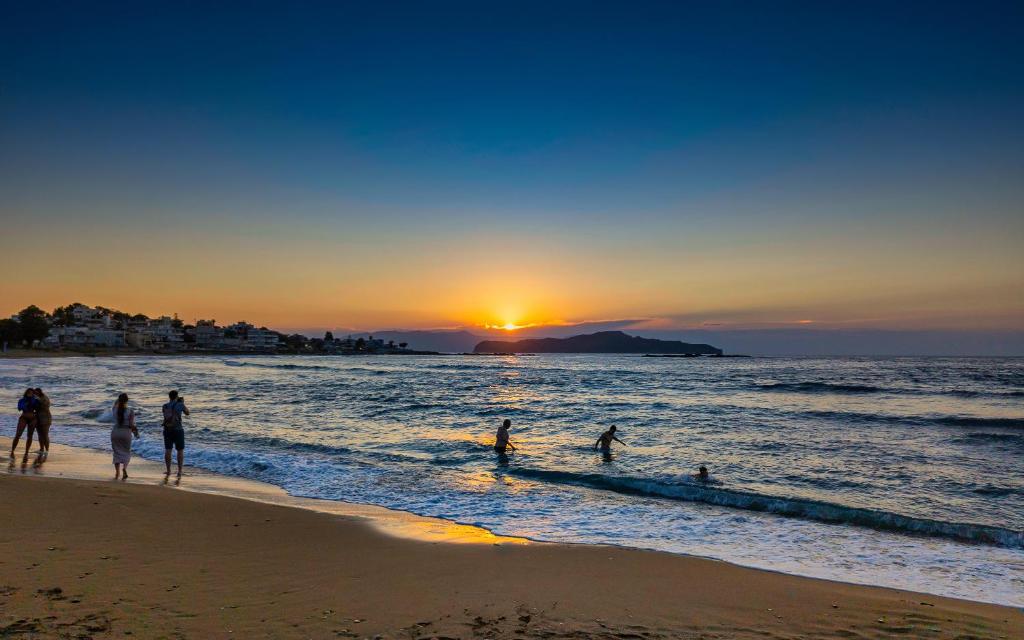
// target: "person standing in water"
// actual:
[[501, 441], [121, 436], [27, 405], [605, 441], [174, 432], [43, 421]]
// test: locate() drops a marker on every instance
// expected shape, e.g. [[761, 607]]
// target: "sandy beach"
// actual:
[[98, 558]]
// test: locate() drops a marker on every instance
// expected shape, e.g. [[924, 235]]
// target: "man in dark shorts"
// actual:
[[501, 441], [174, 433]]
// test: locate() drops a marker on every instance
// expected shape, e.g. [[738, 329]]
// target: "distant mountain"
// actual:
[[601, 342], [444, 341], [758, 342]]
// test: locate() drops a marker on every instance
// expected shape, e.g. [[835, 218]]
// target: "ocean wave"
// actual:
[[245, 464], [461, 367], [106, 415], [96, 414], [972, 438], [277, 444], [402, 408], [286, 367], [790, 507], [840, 388], [819, 387], [949, 421], [970, 421], [968, 393], [996, 491]]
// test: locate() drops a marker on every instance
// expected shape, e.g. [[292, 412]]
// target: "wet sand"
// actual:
[[85, 556]]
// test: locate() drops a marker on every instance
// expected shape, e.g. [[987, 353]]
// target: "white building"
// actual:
[[82, 313], [261, 340], [139, 338], [245, 336], [209, 335], [85, 337], [156, 334]]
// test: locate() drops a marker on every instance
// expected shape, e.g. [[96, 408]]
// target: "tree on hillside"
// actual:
[[62, 317], [34, 324], [403, 345], [360, 344], [140, 317], [328, 337], [10, 331], [121, 318]]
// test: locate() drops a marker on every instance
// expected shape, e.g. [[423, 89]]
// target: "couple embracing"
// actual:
[[35, 417]]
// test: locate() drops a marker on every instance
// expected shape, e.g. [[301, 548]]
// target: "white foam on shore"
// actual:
[[80, 463]]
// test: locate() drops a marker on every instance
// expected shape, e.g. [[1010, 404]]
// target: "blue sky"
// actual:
[[864, 139]]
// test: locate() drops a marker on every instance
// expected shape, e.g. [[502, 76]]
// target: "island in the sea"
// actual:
[[601, 342]]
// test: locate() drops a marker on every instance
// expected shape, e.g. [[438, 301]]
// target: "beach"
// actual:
[[896, 473], [99, 558]]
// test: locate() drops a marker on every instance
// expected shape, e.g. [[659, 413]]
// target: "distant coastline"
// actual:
[[85, 330], [22, 353], [600, 342]]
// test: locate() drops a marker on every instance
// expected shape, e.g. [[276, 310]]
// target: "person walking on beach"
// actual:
[[121, 436], [27, 405], [605, 441], [174, 432], [501, 441], [43, 421]]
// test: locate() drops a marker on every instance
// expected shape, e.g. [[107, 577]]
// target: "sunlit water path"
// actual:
[[905, 472]]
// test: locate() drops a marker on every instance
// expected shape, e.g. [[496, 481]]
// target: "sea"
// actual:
[[902, 472]]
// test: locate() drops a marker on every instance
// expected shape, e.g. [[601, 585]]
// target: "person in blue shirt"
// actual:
[[174, 432], [27, 405]]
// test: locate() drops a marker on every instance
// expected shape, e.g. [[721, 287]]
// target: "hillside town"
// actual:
[[79, 327]]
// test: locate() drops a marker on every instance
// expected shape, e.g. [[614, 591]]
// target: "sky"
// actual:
[[653, 166]]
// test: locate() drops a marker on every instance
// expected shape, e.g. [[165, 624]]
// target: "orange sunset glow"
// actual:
[[511, 207]]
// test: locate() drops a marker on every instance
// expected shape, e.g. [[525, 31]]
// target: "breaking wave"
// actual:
[[789, 507]]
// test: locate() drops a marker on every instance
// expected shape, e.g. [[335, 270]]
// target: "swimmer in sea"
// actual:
[[605, 441], [702, 474], [501, 441]]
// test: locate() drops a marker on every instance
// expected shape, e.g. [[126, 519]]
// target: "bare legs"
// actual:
[[28, 441], [23, 423], [120, 471], [44, 439], [167, 461]]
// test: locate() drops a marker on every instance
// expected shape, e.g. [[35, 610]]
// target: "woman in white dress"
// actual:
[[121, 436]]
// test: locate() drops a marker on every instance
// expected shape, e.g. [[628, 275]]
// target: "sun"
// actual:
[[508, 326]]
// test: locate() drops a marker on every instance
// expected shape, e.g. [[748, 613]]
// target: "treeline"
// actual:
[[32, 324], [26, 327]]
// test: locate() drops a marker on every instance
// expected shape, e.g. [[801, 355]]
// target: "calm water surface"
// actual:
[[905, 472]]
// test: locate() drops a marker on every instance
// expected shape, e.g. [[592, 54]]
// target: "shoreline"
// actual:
[[571, 589], [92, 465]]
